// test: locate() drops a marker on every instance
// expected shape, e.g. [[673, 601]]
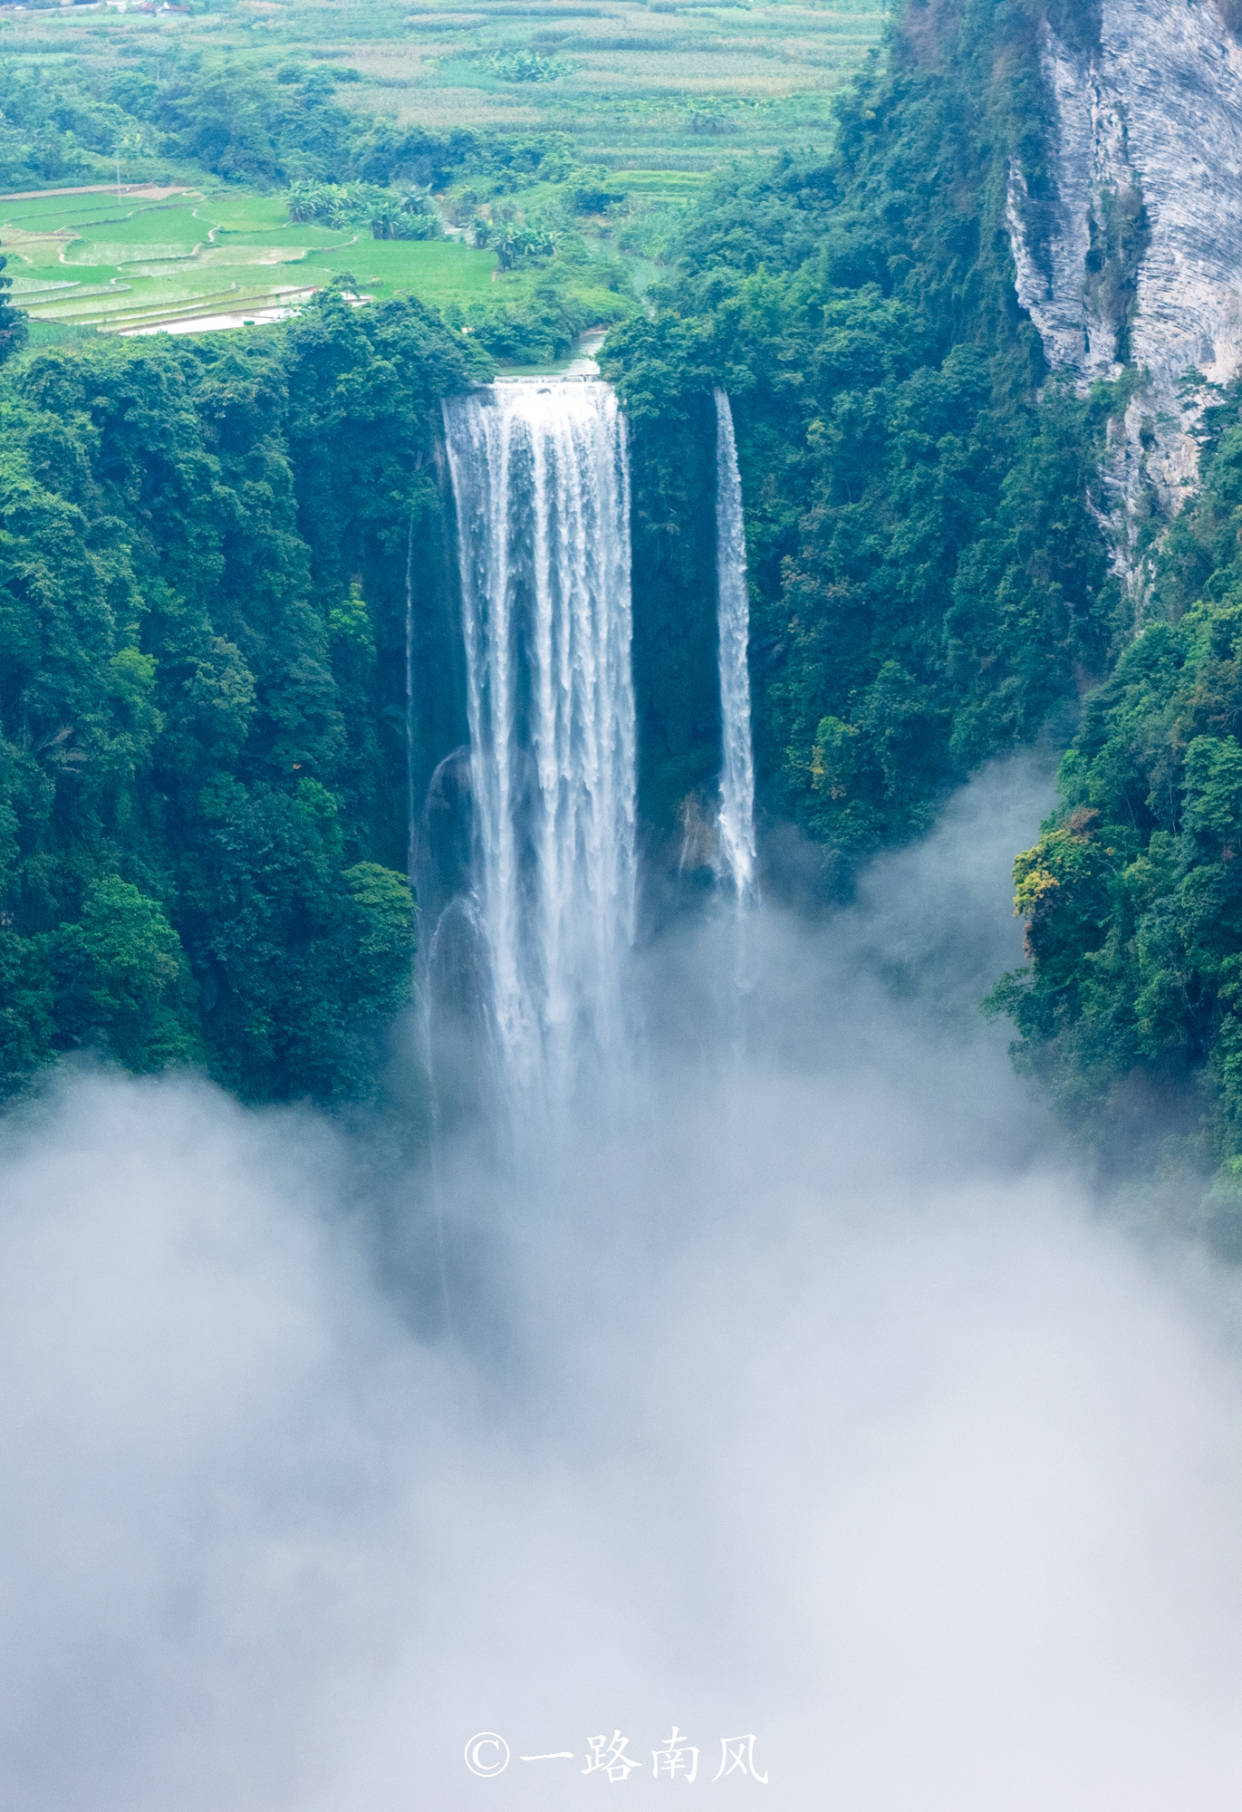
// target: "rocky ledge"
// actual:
[[1143, 266]]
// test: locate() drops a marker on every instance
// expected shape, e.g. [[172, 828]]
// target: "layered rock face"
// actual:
[[1143, 265]]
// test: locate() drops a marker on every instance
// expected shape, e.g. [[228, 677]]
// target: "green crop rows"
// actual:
[[664, 86], [168, 260]]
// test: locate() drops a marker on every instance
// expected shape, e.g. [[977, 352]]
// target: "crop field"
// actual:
[[656, 93], [656, 87], [183, 260]]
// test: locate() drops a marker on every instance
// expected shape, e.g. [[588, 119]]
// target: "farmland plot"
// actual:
[[648, 84], [137, 264]]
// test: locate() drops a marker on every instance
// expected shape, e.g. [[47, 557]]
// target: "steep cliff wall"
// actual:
[[1143, 266]]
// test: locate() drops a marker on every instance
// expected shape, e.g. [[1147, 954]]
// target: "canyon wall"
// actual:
[[1142, 265]]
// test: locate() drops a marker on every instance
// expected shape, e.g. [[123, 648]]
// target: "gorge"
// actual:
[[522, 1261], [943, 365]]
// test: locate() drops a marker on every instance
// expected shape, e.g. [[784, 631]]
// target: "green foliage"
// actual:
[[537, 330], [514, 242], [1133, 895], [267, 128], [12, 321], [593, 191], [61, 123], [121, 978], [928, 583], [202, 559], [246, 126], [304, 951], [53, 129], [1119, 240], [525, 66], [388, 215]]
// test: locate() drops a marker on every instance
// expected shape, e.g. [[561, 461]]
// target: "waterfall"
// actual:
[[411, 846], [540, 479], [736, 821]]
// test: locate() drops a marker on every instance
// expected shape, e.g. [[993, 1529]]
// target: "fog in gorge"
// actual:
[[719, 1356], [794, 1390]]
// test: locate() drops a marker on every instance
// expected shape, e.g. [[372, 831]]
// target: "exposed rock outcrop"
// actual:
[[1143, 266]]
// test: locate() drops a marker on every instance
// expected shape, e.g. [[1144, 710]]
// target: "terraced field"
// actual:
[[184, 260], [650, 86], [658, 92]]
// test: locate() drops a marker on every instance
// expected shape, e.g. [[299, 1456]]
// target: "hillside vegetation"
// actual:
[[667, 88], [930, 584], [1131, 1009], [202, 740]]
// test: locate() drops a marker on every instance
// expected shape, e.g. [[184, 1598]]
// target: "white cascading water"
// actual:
[[736, 822], [540, 478]]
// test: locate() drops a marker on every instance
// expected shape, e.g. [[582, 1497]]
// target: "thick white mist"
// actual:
[[805, 1394]]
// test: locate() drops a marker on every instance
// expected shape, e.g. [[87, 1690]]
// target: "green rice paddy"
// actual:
[[149, 260], [660, 93]]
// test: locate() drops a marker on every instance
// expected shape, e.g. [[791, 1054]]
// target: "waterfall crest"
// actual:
[[540, 479], [736, 822]]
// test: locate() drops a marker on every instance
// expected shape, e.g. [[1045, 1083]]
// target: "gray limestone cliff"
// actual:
[[1142, 265]]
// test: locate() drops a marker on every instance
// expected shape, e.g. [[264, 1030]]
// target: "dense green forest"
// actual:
[[60, 123], [202, 733], [1133, 895]]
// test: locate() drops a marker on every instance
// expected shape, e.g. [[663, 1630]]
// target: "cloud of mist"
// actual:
[[805, 1393]]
